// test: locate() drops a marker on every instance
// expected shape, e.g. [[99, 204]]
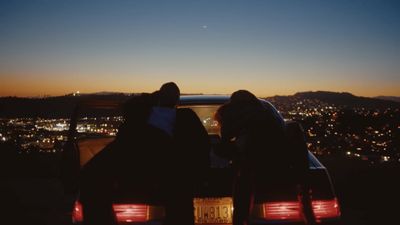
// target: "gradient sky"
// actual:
[[53, 47]]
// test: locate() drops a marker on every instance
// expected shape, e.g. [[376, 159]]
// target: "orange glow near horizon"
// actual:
[[61, 85]]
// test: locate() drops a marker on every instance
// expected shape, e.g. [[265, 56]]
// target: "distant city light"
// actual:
[[386, 158], [325, 135]]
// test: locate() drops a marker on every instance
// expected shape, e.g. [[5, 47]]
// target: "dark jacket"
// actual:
[[146, 161], [254, 136], [192, 144]]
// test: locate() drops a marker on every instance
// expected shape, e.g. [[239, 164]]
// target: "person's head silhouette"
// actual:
[[168, 95], [243, 97]]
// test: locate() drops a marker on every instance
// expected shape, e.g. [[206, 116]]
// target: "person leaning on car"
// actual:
[[254, 137], [133, 150], [168, 146]]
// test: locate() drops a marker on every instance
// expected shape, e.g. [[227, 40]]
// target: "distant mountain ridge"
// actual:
[[347, 99], [106, 93], [62, 106], [389, 98]]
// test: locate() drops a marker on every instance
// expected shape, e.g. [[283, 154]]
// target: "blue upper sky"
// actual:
[[210, 46]]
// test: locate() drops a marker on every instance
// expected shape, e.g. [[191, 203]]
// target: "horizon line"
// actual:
[[134, 93]]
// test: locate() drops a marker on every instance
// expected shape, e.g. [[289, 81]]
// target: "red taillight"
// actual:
[[324, 209], [291, 211], [77, 213], [131, 212], [287, 211]]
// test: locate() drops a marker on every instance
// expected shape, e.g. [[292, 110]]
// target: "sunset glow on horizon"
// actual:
[[262, 88], [210, 47]]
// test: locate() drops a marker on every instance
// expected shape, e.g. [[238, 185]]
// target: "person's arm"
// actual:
[[227, 147], [225, 150]]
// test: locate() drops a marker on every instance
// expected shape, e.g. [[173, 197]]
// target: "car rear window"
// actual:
[[206, 114]]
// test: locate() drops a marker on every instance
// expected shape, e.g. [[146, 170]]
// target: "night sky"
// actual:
[[53, 47]]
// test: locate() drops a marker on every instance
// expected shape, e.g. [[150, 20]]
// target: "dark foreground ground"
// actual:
[[369, 194]]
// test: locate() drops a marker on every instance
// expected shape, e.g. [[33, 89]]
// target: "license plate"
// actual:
[[213, 210]]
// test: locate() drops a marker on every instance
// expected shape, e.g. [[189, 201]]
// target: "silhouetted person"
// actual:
[[187, 160], [158, 153], [256, 139], [133, 160]]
